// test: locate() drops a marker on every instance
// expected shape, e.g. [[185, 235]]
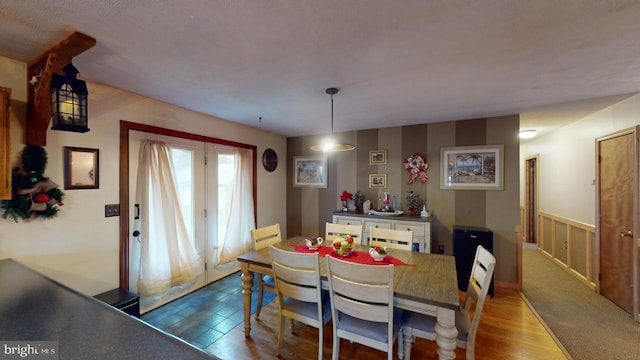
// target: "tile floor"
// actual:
[[205, 315]]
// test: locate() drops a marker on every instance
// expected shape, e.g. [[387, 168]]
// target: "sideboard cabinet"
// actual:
[[5, 144], [421, 227]]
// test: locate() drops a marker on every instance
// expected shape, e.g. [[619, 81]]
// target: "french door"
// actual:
[[202, 185]]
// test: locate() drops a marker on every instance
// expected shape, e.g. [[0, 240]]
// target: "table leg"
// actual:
[[446, 334], [247, 284]]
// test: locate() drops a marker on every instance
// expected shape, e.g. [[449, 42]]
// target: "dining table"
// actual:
[[423, 283]]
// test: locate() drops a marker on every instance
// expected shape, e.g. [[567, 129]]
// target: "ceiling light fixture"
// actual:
[[329, 144], [527, 134]]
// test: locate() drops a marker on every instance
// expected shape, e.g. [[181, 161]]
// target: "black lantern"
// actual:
[[69, 101]]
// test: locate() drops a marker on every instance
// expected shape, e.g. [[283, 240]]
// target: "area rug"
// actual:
[[588, 325]]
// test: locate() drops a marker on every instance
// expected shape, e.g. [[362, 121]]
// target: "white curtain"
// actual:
[[240, 222], [167, 256]]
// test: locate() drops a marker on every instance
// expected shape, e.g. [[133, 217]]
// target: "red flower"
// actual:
[[346, 196]]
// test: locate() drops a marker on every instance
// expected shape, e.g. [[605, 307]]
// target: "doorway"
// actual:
[[201, 188], [616, 203], [531, 200]]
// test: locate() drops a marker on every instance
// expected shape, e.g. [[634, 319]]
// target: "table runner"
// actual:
[[356, 256]]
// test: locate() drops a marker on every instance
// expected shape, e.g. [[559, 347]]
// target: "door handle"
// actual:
[[628, 233]]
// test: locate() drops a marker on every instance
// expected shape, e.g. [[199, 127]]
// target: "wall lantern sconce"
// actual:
[[69, 97]]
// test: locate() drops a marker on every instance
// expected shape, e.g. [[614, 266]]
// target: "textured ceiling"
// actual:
[[395, 62]]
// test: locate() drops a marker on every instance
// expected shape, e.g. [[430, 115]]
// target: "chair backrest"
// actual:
[[481, 272], [392, 239], [297, 276], [266, 236], [334, 230], [364, 292]]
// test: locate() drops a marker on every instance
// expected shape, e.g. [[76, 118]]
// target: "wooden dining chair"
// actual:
[[299, 290], [334, 230], [262, 238], [423, 326], [392, 239], [362, 305]]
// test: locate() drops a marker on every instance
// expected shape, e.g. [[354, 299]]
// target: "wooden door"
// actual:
[[531, 199], [5, 144], [616, 195]]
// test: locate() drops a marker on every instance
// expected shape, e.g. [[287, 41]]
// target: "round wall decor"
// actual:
[[269, 160]]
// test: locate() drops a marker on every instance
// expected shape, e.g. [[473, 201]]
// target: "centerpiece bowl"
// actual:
[[343, 245]]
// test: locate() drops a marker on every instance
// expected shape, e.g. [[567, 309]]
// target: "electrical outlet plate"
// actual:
[[111, 210]]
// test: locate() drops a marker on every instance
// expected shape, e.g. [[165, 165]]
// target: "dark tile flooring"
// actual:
[[205, 315]]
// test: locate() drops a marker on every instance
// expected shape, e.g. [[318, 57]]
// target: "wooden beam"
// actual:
[[43, 67]]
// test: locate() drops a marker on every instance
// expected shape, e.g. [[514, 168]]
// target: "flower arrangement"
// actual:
[[346, 196], [380, 250], [358, 200], [413, 202]]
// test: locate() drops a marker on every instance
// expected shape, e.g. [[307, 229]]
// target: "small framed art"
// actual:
[[378, 181], [81, 168], [377, 157]]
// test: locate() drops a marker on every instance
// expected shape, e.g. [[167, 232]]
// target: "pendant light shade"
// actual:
[[329, 144]]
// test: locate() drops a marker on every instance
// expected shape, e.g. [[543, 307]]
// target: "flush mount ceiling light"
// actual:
[[527, 134], [330, 144]]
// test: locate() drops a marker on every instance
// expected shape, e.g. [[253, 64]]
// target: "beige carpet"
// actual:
[[588, 325]]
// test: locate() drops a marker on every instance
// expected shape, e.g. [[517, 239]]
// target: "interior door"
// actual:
[[616, 197], [531, 199]]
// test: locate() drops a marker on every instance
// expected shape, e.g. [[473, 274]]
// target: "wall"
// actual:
[[309, 208], [79, 248]]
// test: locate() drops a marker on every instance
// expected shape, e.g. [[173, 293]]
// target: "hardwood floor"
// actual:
[[508, 330]]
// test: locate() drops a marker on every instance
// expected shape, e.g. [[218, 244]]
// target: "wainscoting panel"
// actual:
[[570, 244]]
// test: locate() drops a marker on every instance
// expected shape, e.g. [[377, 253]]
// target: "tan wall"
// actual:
[[496, 210], [79, 247]]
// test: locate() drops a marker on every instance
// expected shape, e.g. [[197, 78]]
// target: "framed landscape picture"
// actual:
[[472, 167], [310, 171]]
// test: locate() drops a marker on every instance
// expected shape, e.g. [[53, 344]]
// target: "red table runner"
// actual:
[[356, 256]]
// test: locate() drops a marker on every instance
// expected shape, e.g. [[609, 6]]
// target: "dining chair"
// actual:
[[263, 237], [392, 239], [423, 326], [299, 290], [362, 305], [334, 230]]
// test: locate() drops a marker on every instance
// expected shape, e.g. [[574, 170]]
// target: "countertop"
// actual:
[[403, 217], [36, 308]]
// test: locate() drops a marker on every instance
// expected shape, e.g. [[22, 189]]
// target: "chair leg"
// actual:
[[408, 343], [260, 293], [336, 347], [320, 341], [280, 332], [401, 343]]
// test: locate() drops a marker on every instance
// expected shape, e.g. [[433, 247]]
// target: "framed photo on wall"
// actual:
[[81, 168], [310, 171], [377, 157], [378, 181], [472, 167]]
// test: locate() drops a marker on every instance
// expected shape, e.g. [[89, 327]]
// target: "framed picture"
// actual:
[[81, 168], [377, 157], [378, 181], [310, 171], [472, 167]]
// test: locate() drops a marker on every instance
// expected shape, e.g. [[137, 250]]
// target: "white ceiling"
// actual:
[[395, 62]]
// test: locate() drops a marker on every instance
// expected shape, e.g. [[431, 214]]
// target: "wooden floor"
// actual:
[[508, 330]]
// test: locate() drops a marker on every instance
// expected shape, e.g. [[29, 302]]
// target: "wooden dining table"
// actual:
[[428, 284]]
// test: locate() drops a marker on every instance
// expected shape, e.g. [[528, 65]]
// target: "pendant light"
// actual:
[[329, 144]]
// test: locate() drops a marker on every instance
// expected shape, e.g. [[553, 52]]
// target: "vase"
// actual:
[[358, 209], [345, 208], [413, 212]]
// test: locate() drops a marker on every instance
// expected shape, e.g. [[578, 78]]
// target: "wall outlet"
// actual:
[[440, 249], [111, 210]]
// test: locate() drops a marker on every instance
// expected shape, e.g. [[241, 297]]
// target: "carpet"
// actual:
[[588, 325]]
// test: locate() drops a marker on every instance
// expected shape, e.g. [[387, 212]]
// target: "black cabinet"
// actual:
[[122, 300], [465, 242]]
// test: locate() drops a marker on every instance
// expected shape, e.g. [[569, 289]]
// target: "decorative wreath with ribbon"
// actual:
[[417, 167]]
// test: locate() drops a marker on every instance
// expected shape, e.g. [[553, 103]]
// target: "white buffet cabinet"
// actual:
[[421, 227]]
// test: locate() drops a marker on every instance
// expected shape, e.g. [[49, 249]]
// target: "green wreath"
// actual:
[[33, 194]]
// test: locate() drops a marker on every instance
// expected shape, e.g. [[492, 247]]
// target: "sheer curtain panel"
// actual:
[[167, 255]]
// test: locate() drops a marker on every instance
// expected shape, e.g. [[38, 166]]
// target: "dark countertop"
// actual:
[[403, 217], [36, 308]]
